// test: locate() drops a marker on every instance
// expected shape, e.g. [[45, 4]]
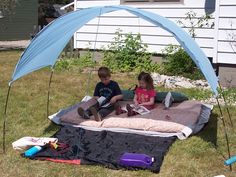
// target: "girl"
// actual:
[[144, 93]]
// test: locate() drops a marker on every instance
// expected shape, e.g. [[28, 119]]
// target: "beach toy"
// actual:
[[30, 152], [230, 160], [136, 160]]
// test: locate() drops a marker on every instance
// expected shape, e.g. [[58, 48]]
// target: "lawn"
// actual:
[[200, 155]]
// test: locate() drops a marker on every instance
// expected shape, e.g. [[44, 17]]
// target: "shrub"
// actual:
[[177, 62], [229, 94], [80, 63], [192, 22], [86, 60], [127, 53], [63, 64]]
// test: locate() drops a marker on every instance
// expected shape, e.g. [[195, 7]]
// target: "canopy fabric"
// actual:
[[45, 48]]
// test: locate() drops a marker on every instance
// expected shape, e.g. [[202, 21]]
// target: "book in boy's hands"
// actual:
[[86, 98], [101, 100], [137, 108]]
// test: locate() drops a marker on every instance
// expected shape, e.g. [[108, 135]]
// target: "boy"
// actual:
[[106, 88]]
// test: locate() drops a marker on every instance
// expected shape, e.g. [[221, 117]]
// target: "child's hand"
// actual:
[[113, 100], [136, 102]]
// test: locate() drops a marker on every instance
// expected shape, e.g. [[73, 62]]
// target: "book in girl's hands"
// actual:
[[139, 109]]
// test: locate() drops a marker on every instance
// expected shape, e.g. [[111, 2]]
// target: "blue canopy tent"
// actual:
[[47, 45]]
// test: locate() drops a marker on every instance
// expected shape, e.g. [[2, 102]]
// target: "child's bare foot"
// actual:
[[118, 109], [130, 110], [82, 113], [96, 115]]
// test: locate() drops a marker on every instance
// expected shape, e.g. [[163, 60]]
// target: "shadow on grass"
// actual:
[[209, 132], [51, 128]]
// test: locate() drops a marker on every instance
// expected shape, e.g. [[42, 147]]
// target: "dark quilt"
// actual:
[[105, 147]]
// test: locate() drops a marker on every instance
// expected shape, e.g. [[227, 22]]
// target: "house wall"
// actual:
[[20, 23], [157, 38], [226, 45]]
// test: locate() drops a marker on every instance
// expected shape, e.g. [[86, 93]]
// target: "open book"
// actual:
[[139, 109], [101, 100]]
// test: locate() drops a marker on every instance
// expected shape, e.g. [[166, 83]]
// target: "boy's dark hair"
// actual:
[[146, 77], [104, 72]]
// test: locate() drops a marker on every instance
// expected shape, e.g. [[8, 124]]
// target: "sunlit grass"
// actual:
[[199, 155]]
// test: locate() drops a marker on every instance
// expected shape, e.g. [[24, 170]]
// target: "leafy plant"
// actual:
[[231, 37], [7, 6], [203, 21], [80, 63], [86, 60], [127, 53], [178, 62], [229, 94], [63, 64]]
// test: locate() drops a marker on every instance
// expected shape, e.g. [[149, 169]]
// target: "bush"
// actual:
[[178, 62], [80, 63], [127, 53], [86, 60], [229, 94], [64, 64]]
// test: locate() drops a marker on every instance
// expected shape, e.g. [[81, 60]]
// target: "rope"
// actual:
[[93, 56]]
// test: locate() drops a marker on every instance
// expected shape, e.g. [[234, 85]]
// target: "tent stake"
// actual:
[[4, 121], [227, 108], [49, 85], [225, 131]]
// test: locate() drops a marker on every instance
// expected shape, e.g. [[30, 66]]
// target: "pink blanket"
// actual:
[[173, 120]]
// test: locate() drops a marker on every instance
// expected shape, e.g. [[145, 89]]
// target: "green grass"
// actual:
[[199, 155]]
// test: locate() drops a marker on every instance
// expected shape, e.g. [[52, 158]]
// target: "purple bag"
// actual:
[[136, 160]]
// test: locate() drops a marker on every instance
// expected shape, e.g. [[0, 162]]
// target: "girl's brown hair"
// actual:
[[146, 77]]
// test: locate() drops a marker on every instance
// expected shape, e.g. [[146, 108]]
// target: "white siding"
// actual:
[[227, 26], [90, 3], [154, 36]]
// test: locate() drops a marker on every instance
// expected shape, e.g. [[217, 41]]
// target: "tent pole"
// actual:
[[227, 108], [225, 131], [49, 85], [94, 47], [4, 121]]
